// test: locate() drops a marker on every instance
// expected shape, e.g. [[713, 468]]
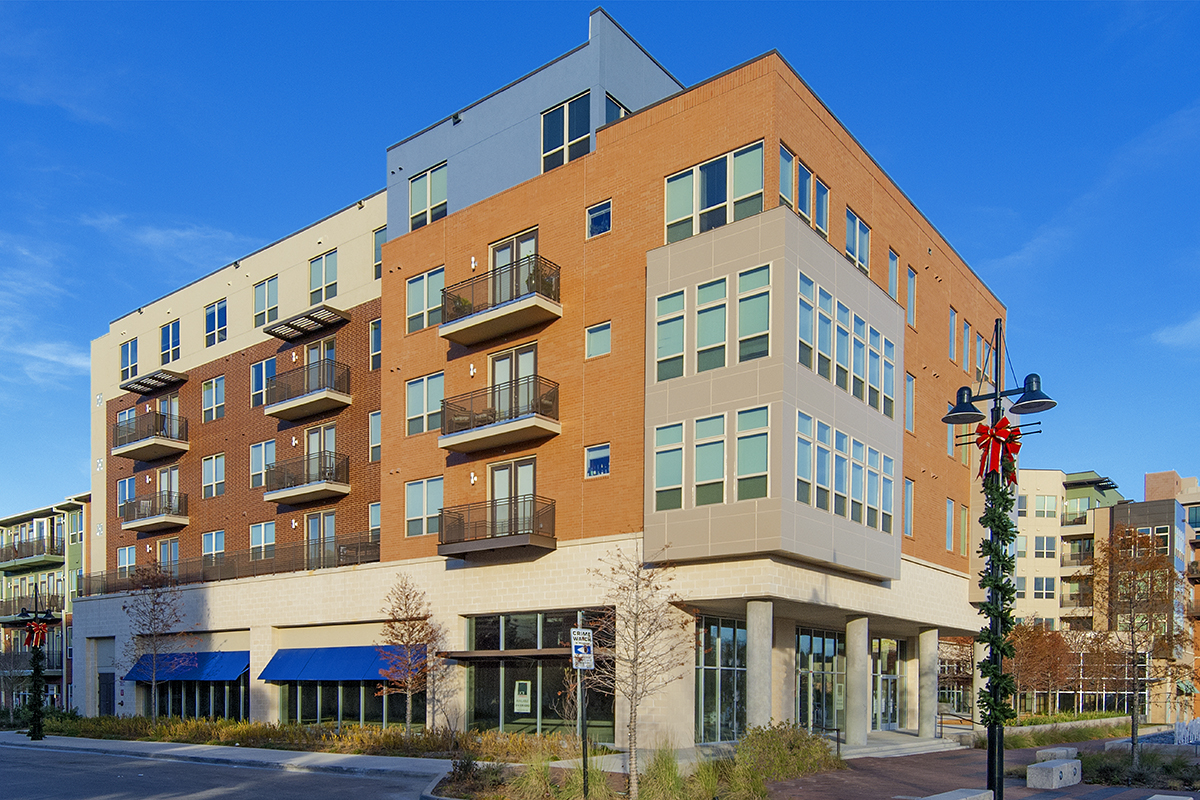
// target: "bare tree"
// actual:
[[650, 639], [13, 666], [1041, 661], [411, 641], [956, 657], [156, 615], [1142, 595]]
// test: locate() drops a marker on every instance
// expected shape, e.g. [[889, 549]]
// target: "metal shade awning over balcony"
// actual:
[[315, 320], [502, 300], [501, 415], [316, 476], [523, 523], [155, 381], [150, 436]]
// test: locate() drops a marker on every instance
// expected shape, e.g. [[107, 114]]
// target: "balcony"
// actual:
[[1074, 518], [31, 554], [151, 436], [13, 605], [154, 512], [1193, 571], [501, 415], [341, 551], [16, 661], [520, 525], [1077, 559], [1075, 601], [1193, 610], [316, 476], [312, 389], [500, 301]]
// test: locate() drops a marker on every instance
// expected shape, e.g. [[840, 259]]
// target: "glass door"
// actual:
[[513, 387], [318, 362], [322, 547], [513, 266], [513, 486], [168, 409], [168, 556], [319, 446], [887, 661]]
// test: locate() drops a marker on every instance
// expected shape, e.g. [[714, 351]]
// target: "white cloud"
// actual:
[[1183, 335], [199, 246]]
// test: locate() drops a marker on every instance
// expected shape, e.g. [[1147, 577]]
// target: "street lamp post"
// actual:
[[999, 444], [36, 626]]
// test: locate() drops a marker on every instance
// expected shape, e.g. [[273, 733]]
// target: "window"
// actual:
[[841, 469], [806, 319], [168, 555], [374, 523], [752, 435], [859, 358], [422, 504], [825, 334], [380, 239], [566, 132], [824, 465], [262, 541], [126, 415], [858, 241], [668, 467], [129, 359], [266, 301], [911, 299], [1044, 546], [595, 461], [950, 525], [821, 219], [754, 313], [1020, 587], [213, 470], [376, 343], [950, 429], [1022, 504], [613, 109], [966, 345], [953, 333], [425, 299], [126, 561], [889, 378], [260, 375], [893, 274], [598, 340], [125, 491], [262, 456], [710, 460], [698, 199], [887, 493], [169, 335], [599, 219], [909, 398], [964, 532], [320, 530], [376, 434], [710, 325], [669, 335], [1021, 547], [214, 323], [322, 278], [425, 404], [213, 398], [786, 160], [804, 190], [427, 197], [1043, 588], [908, 508], [213, 547], [1047, 506], [842, 334], [804, 458]]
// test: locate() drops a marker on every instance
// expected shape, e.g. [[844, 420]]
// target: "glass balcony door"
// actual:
[[513, 488], [512, 266], [512, 396], [319, 358], [322, 547]]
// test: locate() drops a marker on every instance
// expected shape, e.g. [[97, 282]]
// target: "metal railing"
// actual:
[[28, 548], [1075, 518], [1193, 569], [337, 551], [46, 602], [837, 736], [953, 715], [529, 275], [312, 468], [1077, 559], [154, 505], [17, 660], [323, 374], [145, 426], [1075, 601], [532, 394], [525, 514]]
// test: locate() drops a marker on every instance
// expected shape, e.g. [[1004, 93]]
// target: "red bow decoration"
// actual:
[[999, 443], [36, 635]]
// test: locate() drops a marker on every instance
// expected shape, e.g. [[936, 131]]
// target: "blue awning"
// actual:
[[361, 663], [219, 666]]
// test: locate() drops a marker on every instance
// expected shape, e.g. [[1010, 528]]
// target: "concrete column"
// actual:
[[977, 682], [783, 666], [927, 648], [264, 697], [858, 680], [759, 687]]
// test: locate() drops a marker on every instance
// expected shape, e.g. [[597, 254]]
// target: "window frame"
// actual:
[[587, 339], [592, 453], [212, 390], [953, 335], [374, 521], [736, 207], [261, 473], [950, 509], [378, 254], [750, 479], [701, 489], [908, 507], [374, 436], [787, 182], [169, 349], [430, 211], [893, 274], [910, 400], [431, 419], [129, 359], [326, 289], [746, 296], [820, 206], [568, 149], [266, 302], [375, 343], [711, 306], [263, 549], [668, 449], [216, 323], [126, 561], [212, 476], [910, 301], [430, 313], [429, 523], [593, 216], [212, 547], [259, 378], [663, 318], [858, 241]]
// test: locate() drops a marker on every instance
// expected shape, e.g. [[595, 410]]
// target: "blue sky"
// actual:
[[1055, 145]]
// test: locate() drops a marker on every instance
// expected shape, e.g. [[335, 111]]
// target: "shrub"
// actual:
[[782, 751], [662, 780], [533, 783]]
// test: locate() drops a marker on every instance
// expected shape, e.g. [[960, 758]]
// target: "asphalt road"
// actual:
[[47, 774]]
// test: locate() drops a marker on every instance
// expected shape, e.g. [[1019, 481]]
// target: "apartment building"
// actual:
[[614, 313], [40, 564]]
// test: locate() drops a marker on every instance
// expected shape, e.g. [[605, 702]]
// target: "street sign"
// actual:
[[581, 649]]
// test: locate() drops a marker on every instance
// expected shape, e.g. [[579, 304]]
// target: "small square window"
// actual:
[[599, 219], [599, 340], [596, 461]]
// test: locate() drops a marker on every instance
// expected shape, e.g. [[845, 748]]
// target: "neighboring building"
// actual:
[[612, 310], [40, 553]]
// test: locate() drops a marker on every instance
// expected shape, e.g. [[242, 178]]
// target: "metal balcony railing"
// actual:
[[509, 400], [525, 514], [154, 505], [1193, 569], [312, 468], [1075, 601], [1077, 559], [529, 275], [17, 660], [145, 426], [12, 606], [1074, 518], [337, 551], [28, 548], [314, 377]]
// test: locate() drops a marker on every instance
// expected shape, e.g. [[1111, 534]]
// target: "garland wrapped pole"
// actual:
[[36, 627]]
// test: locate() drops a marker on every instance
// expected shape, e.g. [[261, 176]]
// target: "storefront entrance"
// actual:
[[887, 684]]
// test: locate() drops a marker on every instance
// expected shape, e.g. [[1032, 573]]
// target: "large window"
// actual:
[[710, 460], [754, 314], [213, 470], [1044, 546], [786, 189], [262, 541], [169, 337], [858, 241], [669, 336], [668, 467], [422, 503], [1047, 506], [710, 325], [212, 546], [260, 374], [215, 329], [126, 561], [375, 441], [266, 301], [322, 278], [1043, 588], [752, 458], [129, 359], [380, 239], [376, 343], [721, 696], [262, 456], [425, 299], [425, 404], [427, 197], [821, 213], [720, 191], [566, 132], [213, 398]]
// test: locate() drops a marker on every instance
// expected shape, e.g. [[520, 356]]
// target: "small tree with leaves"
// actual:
[[652, 639], [156, 614], [411, 641]]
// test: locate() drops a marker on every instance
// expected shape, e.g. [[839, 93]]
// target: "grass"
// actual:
[[1056, 735]]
